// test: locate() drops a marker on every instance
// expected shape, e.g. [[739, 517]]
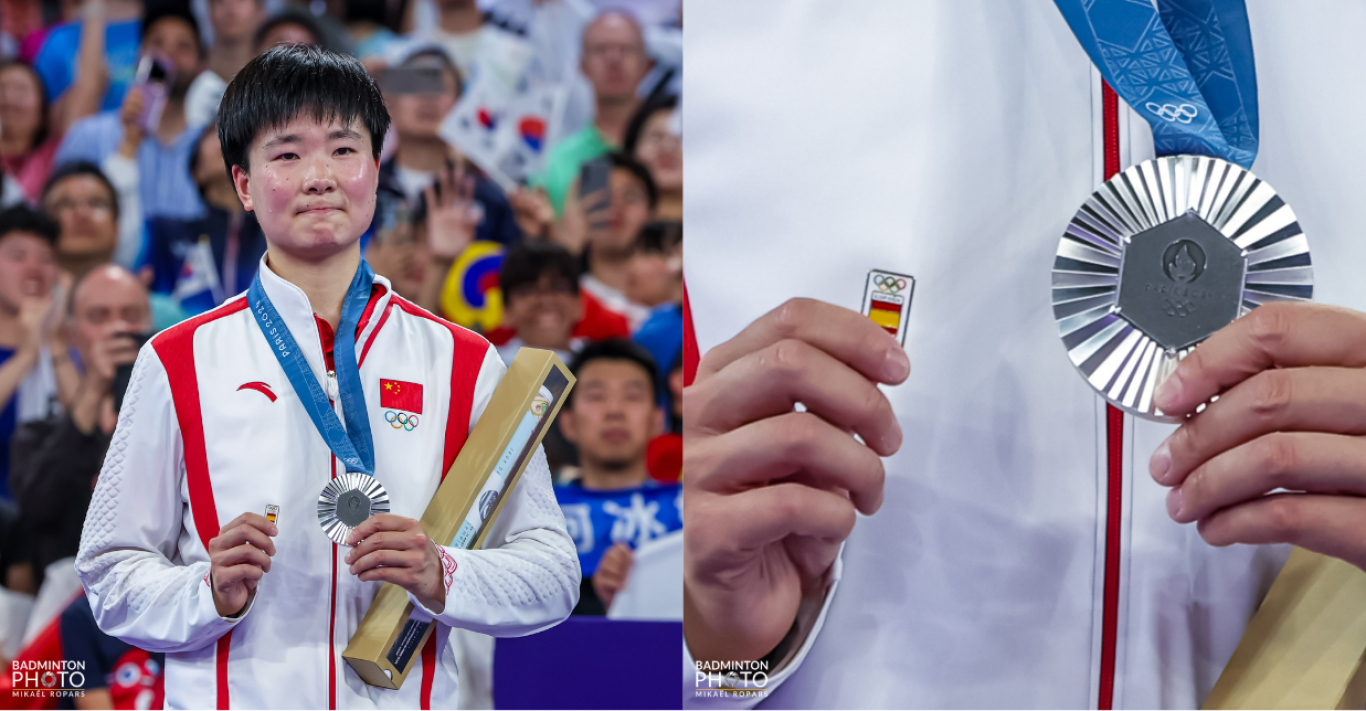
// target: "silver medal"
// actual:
[[1159, 258], [347, 501]]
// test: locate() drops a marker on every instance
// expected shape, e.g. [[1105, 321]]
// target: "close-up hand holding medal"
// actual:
[[1169, 253]]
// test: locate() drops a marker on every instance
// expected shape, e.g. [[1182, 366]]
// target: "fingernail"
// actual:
[[1161, 463], [1168, 392], [897, 366], [1174, 502]]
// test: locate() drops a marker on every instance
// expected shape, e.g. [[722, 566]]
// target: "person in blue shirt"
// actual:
[[613, 507], [58, 59], [163, 155]]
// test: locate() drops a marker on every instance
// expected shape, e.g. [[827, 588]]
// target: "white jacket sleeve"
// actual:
[[129, 561], [526, 577], [703, 688]]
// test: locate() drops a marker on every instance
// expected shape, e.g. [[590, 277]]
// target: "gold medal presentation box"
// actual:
[[466, 503]]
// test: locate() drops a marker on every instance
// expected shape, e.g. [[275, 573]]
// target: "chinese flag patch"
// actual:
[[400, 395]]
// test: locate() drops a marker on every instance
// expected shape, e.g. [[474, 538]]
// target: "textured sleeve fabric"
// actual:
[[526, 578], [140, 590]]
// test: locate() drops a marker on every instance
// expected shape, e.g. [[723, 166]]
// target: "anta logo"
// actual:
[[259, 387]]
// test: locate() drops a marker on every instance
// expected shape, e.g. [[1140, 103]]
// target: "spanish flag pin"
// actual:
[[887, 301]]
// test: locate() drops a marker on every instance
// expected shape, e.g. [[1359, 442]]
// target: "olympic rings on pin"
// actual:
[[887, 283], [401, 420]]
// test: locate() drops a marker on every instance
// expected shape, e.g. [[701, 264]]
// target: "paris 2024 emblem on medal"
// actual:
[[1159, 258], [347, 501]]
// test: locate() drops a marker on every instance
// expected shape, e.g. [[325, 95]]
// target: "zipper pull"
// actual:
[[333, 392]]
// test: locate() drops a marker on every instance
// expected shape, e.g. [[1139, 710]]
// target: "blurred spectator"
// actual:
[[483, 50], [654, 277], [615, 62], [30, 129], [615, 219], [117, 674], [613, 506], [92, 227], [540, 284], [202, 262], [234, 27], [57, 460], [28, 326], [417, 114], [85, 205], [163, 154], [365, 21], [61, 52], [288, 27], [653, 139]]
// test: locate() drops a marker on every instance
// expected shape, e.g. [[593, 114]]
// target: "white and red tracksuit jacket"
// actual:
[[1023, 557], [211, 428]]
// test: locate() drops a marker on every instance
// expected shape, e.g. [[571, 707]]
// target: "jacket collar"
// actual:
[[292, 304]]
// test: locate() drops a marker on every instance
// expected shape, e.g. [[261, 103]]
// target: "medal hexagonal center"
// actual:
[[353, 507], [1181, 281]]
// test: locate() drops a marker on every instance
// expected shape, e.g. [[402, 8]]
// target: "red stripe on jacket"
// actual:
[[175, 348]]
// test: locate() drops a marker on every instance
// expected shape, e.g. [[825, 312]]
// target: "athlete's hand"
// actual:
[[393, 549], [771, 492], [239, 556], [612, 570], [1291, 415]]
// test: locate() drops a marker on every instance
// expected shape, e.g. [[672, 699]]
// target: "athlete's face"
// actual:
[[312, 186]]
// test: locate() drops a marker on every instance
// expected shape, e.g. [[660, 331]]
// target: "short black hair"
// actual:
[[641, 173], [660, 237], [22, 218], [297, 80], [289, 17], [616, 349], [667, 102], [529, 261], [156, 12], [75, 168]]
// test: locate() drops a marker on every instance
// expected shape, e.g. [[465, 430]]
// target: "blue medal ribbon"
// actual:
[[1185, 66], [353, 444]]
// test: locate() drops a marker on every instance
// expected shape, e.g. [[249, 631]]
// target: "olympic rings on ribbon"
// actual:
[[401, 420], [887, 283]]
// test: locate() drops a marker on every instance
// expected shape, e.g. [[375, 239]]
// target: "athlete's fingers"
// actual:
[[242, 533], [753, 518], [254, 520], [771, 380], [1280, 400], [1284, 335], [1332, 525], [798, 444], [384, 540], [387, 558], [243, 554], [846, 335], [245, 573], [381, 522], [1297, 461]]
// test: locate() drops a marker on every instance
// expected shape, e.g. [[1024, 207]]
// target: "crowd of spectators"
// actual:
[[559, 229]]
